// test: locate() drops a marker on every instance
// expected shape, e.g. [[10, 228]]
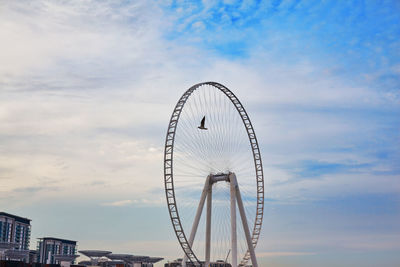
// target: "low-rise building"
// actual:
[[103, 258], [53, 250], [15, 230], [15, 234]]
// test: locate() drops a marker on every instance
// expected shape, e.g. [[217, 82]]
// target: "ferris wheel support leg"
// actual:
[[233, 226], [244, 222], [197, 217], [208, 226]]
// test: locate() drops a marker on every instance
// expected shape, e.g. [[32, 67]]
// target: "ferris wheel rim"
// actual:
[[168, 170]]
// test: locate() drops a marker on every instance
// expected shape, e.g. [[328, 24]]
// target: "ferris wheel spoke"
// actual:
[[195, 152], [194, 146], [191, 154]]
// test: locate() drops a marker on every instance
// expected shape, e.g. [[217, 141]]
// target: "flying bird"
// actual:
[[201, 127]]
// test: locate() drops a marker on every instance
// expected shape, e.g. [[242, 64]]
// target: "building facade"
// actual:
[[15, 230], [50, 248]]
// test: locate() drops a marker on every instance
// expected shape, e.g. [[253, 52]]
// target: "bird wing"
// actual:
[[203, 121]]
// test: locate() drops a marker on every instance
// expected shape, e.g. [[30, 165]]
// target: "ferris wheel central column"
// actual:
[[233, 224], [208, 225], [242, 212], [198, 215]]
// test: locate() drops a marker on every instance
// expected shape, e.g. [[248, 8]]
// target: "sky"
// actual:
[[87, 89]]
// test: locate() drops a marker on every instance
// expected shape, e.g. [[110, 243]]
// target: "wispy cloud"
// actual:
[[34, 189], [100, 102], [284, 253], [118, 203]]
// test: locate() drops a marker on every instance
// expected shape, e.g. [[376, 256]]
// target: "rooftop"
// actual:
[[154, 259], [123, 257], [72, 242], [135, 258], [94, 253], [15, 217]]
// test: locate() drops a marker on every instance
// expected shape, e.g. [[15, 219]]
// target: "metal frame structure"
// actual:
[[95, 255], [169, 181]]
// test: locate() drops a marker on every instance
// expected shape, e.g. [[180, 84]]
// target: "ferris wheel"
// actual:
[[212, 159]]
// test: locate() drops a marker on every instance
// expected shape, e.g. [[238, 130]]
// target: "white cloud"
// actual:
[[118, 203]]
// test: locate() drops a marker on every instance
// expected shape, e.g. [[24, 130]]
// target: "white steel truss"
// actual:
[[235, 198]]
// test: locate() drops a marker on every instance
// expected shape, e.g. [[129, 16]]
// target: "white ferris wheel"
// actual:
[[212, 159]]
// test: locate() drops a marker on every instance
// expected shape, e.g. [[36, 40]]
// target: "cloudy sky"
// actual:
[[87, 89]]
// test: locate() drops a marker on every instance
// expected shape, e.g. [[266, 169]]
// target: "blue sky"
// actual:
[[86, 91]]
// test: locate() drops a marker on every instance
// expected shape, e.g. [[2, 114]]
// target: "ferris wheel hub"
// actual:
[[214, 178]]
